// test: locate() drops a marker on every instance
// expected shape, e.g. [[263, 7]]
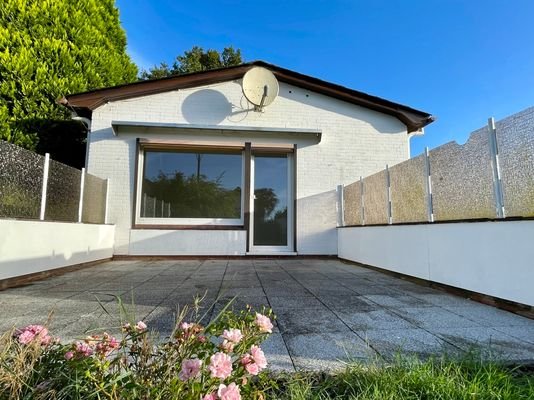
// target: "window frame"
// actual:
[[185, 223]]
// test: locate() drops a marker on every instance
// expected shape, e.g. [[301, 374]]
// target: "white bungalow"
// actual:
[[196, 168]]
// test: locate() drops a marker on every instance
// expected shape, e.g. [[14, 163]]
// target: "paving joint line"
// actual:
[[333, 312], [175, 289], [270, 306]]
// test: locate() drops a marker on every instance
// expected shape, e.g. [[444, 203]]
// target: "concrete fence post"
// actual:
[[362, 201], [496, 169], [388, 191], [428, 173], [82, 190], [106, 212], [341, 205], [44, 187]]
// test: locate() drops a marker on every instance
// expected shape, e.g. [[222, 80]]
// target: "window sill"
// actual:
[[191, 227]]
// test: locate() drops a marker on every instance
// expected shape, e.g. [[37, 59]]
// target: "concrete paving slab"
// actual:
[[178, 301], [490, 316], [376, 290], [285, 292], [326, 351], [241, 291], [311, 320], [379, 319], [92, 324], [279, 303], [397, 301], [241, 282], [442, 299], [277, 354], [413, 289], [144, 297], [489, 344], [241, 302], [326, 292], [321, 305], [159, 283], [434, 317], [523, 333], [390, 343], [351, 303]]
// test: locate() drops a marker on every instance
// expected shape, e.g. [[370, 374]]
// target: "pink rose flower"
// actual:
[[264, 323], [232, 335], [31, 332], [114, 343], [26, 337], [227, 346], [190, 369], [258, 356], [140, 326], [107, 344], [252, 368], [210, 396], [185, 326], [220, 365], [83, 349], [69, 355], [230, 392], [254, 361]]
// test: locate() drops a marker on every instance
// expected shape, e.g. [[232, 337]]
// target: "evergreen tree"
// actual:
[[50, 48], [195, 60]]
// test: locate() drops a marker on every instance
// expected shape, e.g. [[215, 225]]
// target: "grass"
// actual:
[[410, 379]]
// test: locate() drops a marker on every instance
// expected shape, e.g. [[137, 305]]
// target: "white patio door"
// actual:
[[271, 203]]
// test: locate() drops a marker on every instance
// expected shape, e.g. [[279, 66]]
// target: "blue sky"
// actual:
[[461, 60]]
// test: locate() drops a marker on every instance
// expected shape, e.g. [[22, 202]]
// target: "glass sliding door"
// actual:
[[271, 203]]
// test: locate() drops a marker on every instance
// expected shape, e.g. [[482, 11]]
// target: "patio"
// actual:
[[328, 311]]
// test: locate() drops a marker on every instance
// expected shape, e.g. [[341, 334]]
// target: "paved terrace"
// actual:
[[327, 311]]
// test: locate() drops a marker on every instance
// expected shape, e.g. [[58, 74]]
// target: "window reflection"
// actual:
[[270, 200], [190, 184]]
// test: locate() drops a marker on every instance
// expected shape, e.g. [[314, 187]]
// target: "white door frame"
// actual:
[[257, 249]]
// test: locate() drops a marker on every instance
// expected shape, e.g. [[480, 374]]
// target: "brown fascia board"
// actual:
[[84, 103]]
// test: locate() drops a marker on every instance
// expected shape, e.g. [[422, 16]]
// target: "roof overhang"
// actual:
[[85, 103], [117, 126]]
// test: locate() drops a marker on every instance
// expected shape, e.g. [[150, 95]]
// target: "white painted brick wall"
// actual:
[[355, 141]]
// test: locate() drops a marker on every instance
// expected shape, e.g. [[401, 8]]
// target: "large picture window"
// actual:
[[191, 187]]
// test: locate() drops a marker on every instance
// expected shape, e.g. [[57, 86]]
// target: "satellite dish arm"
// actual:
[[265, 92]]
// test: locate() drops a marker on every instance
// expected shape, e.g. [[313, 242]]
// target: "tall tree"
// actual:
[[50, 48], [195, 60]]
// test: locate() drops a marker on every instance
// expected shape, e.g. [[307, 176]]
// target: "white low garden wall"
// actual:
[[493, 258], [27, 247], [188, 242]]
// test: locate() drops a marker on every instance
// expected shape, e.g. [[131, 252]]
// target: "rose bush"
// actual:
[[220, 361]]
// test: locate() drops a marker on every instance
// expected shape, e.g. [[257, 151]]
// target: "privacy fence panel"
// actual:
[[515, 140], [94, 200], [375, 199], [63, 193], [22, 177], [352, 203], [21, 181], [462, 180], [408, 182], [490, 176]]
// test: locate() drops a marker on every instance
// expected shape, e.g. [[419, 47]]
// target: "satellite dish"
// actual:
[[260, 87]]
